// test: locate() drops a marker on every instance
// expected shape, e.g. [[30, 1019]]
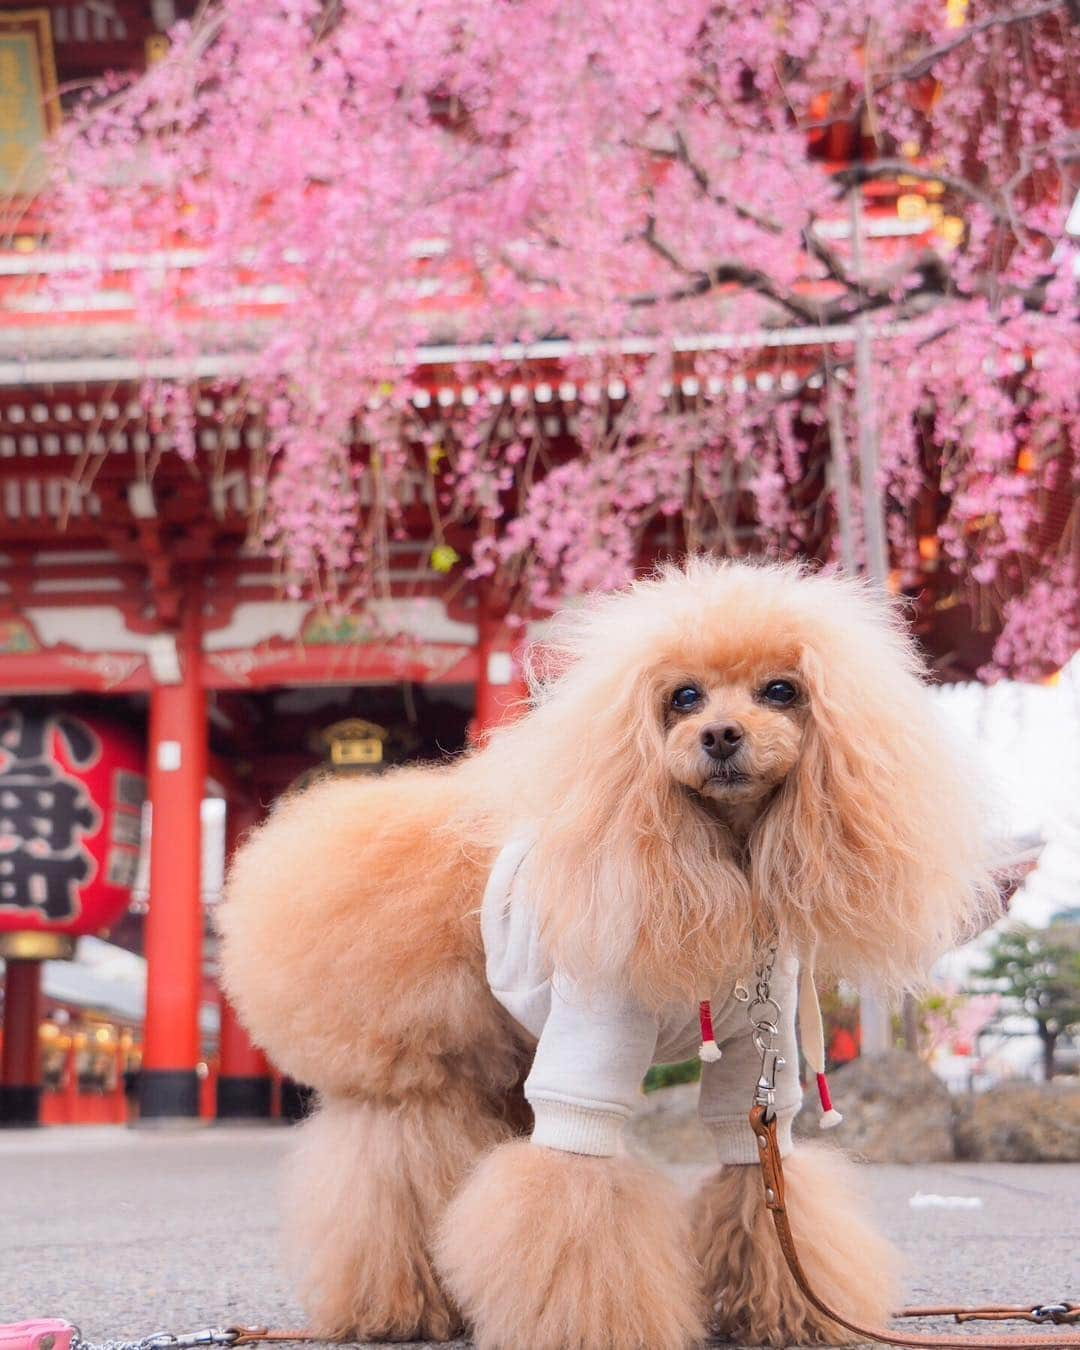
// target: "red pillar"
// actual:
[[20, 1062], [244, 1086], [173, 935], [118, 1104], [501, 690], [71, 1081]]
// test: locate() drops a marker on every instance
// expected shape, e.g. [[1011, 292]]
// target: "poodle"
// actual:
[[475, 963]]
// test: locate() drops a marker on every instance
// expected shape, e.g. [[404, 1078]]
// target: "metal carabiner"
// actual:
[[190, 1340], [764, 1014], [767, 1002], [765, 1094], [1050, 1312]]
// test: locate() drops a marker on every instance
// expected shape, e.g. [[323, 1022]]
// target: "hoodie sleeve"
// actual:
[[585, 1082]]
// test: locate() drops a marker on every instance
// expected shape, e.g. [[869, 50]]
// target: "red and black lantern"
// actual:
[[71, 795]]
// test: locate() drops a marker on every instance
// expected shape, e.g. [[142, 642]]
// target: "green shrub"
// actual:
[[670, 1075]]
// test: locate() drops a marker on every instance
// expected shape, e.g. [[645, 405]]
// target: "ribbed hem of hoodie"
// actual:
[[737, 1144], [576, 1129]]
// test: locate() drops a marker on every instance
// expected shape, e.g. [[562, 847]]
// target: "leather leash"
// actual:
[[255, 1335], [772, 1176]]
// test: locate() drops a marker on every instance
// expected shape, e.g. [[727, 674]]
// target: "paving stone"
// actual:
[[128, 1232]]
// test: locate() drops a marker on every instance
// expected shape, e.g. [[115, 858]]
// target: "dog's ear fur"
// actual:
[[873, 852]]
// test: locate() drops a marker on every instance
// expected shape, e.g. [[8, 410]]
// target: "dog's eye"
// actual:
[[686, 698], [780, 692]]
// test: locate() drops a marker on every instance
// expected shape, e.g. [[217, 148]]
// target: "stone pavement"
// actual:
[[128, 1232]]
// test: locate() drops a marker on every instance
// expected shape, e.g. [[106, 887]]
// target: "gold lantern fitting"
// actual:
[[36, 946], [355, 744]]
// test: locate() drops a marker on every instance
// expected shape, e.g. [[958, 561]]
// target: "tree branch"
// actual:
[[924, 63], [701, 178], [856, 174], [933, 285], [816, 247], [727, 272], [681, 155], [525, 274]]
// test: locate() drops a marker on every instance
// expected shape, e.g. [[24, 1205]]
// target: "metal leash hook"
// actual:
[[1057, 1313], [764, 1013], [164, 1340]]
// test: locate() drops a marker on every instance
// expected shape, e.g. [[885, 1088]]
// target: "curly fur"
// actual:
[[870, 854], [751, 1295], [562, 1252], [352, 947], [393, 1169]]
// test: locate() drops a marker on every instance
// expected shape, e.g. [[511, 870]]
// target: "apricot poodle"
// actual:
[[721, 756]]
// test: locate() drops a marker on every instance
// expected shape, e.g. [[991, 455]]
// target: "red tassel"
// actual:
[[709, 1052], [829, 1114]]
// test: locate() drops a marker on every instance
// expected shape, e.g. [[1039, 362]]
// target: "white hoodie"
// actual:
[[594, 1047]]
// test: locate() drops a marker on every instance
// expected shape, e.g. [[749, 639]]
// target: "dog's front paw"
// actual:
[[559, 1251]]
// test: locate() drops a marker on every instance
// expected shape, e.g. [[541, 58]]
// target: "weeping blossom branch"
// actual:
[[625, 178]]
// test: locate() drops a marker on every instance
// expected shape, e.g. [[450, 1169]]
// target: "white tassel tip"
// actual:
[[709, 1052], [830, 1119]]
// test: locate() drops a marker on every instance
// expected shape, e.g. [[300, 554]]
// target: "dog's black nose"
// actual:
[[721, 740]]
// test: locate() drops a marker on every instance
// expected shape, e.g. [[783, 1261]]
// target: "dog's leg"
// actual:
[[751, 1295], [559, 1251], [366, 1186]]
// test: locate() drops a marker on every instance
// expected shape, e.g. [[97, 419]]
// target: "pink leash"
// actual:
[[42, 1333], [56, 1333]]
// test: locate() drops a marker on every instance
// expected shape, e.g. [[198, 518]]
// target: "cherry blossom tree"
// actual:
[[650, 205], [951, 1021]]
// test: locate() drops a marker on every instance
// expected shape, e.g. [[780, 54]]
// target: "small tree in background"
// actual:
[[1039, 971]]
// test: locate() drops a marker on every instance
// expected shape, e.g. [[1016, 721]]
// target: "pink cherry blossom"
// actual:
[[645, 184]]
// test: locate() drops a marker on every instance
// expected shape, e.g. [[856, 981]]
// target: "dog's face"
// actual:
[[734, 727]]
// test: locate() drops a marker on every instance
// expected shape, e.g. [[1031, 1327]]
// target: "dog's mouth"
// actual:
[[726, 775]]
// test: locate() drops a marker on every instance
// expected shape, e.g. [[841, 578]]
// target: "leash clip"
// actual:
[[764, 1015], [164, 1340], [765, 1093], [1058, 1313], [190, 1340]]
